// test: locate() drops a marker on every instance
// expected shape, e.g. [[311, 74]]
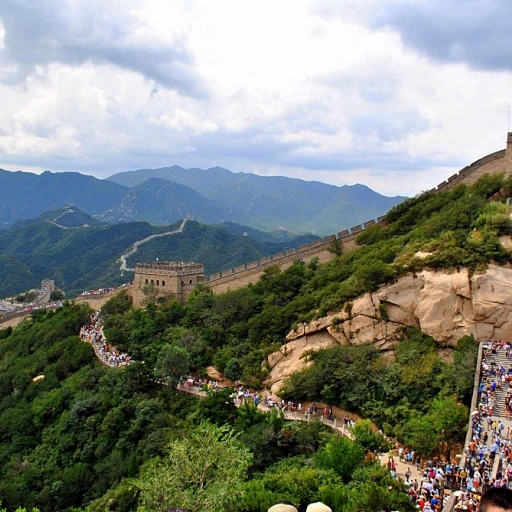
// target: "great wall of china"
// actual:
[[499, 161], [242, 275]]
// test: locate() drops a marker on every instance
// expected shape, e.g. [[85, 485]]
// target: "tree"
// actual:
[[150, 292], [291, 479], [336, 246], [118, 304], [449, 419], [203, 472], [367, 437], [173, 362], [216, 407], [372, 488], [57, 295], [233, 370], [341, 455], [419, 434], [19, 509]]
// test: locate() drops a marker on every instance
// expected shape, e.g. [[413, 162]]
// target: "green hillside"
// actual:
[[217, 248], [80, 258], [87, 437], [77, 259], [91, 438]]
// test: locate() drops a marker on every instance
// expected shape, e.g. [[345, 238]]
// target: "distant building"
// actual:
[[48, 285], [47, 288], [166, 279]]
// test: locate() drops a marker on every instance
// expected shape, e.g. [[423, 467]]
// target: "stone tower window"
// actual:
[[147, 281], [163, 283], [158, 282]]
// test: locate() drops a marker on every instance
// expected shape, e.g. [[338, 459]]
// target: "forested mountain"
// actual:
[[80, 253], [24, 195], [161, 202], [163, 196], [85, 437], [268, 202]]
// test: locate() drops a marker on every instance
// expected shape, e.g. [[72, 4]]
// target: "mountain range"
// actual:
[[212, 196]]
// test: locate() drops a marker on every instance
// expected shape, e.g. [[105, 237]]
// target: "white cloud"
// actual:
[[317, 90], [184, 121]]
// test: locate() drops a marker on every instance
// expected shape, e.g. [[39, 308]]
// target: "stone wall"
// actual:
[[500, 161], [16, 317], [242, 275], [490, 164], [96, 300], [12, 321]]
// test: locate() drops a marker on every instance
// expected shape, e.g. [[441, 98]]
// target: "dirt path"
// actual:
[[401, 467]]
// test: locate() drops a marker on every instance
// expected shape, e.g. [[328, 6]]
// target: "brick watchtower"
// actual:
[[508, 155], [167, 278]]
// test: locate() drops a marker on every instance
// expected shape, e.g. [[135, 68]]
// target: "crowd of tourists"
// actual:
[[92, 333], [490, 438], [99, 291], [188, 382]]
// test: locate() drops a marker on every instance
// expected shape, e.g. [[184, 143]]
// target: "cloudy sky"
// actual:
[[395, 94]]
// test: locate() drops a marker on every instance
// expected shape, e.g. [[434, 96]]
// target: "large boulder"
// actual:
[[443, 304]]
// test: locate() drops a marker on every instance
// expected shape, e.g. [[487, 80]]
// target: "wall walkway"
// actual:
[[288, 415], [14, 318]]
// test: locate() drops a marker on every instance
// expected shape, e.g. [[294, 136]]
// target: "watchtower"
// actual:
[[508, 155], [166, 279]]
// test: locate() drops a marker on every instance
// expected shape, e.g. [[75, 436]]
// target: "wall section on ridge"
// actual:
[[232, 279]]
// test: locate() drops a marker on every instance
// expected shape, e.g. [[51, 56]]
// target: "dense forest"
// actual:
[[87, 437]]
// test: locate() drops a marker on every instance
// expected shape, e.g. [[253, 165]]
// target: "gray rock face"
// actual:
[[445, 305]]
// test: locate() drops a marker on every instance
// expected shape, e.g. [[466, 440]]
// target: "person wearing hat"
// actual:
[[282, 506], [318, 507]]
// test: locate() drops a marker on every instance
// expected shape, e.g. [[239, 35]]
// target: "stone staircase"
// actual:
[[500, 394], [499, 410]]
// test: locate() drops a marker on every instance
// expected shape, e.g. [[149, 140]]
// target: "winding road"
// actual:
[[136, 245]]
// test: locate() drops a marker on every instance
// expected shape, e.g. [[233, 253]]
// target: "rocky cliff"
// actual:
[[444, 305]]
